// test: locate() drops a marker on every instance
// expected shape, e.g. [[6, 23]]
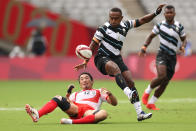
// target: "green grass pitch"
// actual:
[[177, 107]]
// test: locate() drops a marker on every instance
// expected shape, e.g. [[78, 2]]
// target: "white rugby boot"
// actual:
[[142, 116], [32, 112]]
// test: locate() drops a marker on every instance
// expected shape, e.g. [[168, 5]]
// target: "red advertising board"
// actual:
[[61, 68], [144, 68], [62, 39]]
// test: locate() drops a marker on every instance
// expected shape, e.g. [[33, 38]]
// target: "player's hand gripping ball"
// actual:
[[83, 52]]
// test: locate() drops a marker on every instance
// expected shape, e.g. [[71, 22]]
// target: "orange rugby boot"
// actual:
[[145, 98], [152, 107]]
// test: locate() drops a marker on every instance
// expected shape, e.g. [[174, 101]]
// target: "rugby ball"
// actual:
[[83, 52]]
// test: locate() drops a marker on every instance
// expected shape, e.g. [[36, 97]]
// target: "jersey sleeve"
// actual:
[[181, 29], [155, 29], [72, 97], [130, 24], [99, 33]]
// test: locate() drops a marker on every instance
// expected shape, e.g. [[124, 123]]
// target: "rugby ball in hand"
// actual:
[[83, 52]]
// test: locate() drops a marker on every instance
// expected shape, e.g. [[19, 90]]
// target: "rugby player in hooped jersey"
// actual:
[[108, 60], [172, 38], [83, 107]]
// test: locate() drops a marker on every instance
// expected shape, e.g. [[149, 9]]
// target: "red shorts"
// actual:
[[82, 108]]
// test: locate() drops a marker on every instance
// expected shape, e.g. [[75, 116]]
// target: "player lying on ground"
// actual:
[[171, 34], [83, 107]]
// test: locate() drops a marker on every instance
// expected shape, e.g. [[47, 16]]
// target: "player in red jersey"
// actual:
[[83, 107]]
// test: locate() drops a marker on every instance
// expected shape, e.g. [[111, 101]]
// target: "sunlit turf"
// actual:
[[177, 107]]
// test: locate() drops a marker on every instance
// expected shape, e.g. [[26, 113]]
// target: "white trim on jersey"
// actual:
[[111, 48], [164, 42], [155, 30], [114, 35], [98, 35], [170, 31]]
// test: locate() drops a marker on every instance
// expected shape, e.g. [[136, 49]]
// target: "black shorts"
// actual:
[[100, 62], [163, 58]]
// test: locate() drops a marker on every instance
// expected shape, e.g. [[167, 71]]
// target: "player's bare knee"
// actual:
[[116, 70], [166, 81], [162, 77], [104, 114]]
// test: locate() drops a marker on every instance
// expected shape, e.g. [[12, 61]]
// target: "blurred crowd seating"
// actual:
[[95, 12], [185, 11], [91, 12]]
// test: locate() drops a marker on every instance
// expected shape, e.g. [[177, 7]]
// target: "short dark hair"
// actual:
[[86, 74], [116, 9], [170, 7]]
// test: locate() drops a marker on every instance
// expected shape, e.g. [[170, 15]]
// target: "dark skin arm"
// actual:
[[93, 46], [184, 42], [149, 17], [147, 43]]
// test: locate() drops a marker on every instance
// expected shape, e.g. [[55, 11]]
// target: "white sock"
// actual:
[[138, 107], [148, 90], [152, 100], [66, 121], [127, 92]]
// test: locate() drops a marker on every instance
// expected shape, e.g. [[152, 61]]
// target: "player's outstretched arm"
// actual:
[[93, 46], [81, 66], [147, 43], [111, 98], [149, 17]]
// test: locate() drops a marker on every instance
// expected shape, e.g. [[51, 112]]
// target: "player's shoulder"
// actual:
[[160, 23], [178, 24], [97, 90], [104, 26], [127, 23]]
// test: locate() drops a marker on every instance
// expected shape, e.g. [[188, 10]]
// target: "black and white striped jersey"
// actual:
[[169, 36], [111, 38]]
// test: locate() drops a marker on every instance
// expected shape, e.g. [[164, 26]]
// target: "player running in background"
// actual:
[[108, 60], [170, 33], [83, 107]]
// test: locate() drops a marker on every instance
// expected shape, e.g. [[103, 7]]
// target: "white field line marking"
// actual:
[[179, 100], [11, 109]]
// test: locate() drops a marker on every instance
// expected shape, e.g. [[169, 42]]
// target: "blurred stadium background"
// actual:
[[75, 23]]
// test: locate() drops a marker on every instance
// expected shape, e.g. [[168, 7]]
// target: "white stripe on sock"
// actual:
[[148, 89], [127, 92], [152, 100], [138, 107]]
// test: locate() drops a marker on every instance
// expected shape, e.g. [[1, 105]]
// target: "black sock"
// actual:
[[120, 81]]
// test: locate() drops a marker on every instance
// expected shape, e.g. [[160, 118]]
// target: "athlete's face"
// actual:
[[169, 14], [115, 18], [85, 82]]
